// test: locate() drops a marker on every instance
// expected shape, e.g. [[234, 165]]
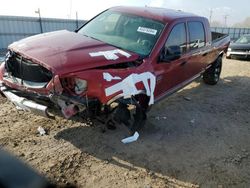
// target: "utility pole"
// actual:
[[40, 19], [76, 20], [210, 16], [70, 9], [225, 18]]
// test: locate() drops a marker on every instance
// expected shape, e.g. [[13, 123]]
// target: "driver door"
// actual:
[[170, 70]]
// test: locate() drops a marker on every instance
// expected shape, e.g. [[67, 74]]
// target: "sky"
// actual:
[[234, 10]]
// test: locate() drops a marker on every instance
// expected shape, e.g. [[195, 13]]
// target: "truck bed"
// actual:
[[220, 40]]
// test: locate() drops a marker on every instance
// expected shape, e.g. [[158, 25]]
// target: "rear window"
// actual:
[[196, 35]]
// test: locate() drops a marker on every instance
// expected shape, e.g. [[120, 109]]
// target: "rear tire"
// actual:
[[212, 75]]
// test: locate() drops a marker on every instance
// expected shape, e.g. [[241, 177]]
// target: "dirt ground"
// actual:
[[198, 137]]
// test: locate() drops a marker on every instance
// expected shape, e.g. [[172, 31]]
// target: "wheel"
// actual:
[[212, 75], [133, 117]]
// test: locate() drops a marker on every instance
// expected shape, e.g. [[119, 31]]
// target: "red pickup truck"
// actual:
[[115, 66]]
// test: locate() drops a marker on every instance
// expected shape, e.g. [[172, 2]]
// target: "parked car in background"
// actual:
[[240, 48]]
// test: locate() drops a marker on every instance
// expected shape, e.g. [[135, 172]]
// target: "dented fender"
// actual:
[[108, 85]]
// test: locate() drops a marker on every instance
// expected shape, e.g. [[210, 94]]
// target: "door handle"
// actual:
[[183, 63]]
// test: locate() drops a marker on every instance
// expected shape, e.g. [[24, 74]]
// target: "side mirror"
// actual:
[[170, 53]]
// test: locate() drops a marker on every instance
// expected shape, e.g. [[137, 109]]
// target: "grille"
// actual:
[[25, 69]]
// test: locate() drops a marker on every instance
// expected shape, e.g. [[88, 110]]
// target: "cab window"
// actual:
[[196, 35], [177, 38]]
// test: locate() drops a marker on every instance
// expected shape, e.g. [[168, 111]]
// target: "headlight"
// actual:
[[80, 86], [229, 49]]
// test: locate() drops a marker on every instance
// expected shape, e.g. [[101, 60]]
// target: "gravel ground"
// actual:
[[198, 137]]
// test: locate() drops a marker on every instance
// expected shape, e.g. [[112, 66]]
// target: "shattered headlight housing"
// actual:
[[73, 85], [80, 86]]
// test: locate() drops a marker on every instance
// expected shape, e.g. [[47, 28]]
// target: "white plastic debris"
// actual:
[[158, 117], [192, 121], [41, 131], [131, 138], [19, 108]]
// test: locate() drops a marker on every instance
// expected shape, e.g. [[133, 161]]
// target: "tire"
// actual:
[[134, 119], [212, 75]]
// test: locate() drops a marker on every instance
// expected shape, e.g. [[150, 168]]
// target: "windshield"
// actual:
[[243, 39], [129, 32]]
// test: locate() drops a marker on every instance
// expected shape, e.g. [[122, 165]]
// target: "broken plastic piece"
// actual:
[[41, 131], [108, 77], [57, 85], [67, 110], [131, 138], [192, 121], [158, 117]]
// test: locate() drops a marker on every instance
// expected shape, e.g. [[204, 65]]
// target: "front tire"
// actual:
[[212, 75]]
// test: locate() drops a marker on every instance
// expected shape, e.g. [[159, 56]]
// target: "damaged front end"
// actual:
[[34, 88], [16, 75], [112, 99]]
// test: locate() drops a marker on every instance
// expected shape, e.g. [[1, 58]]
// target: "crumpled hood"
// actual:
[[66, 52]]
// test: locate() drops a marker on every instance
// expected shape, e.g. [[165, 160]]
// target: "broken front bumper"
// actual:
[[25, 104], [41, 105]]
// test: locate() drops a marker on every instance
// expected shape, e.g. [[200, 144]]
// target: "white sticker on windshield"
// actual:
[[147, 30]]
